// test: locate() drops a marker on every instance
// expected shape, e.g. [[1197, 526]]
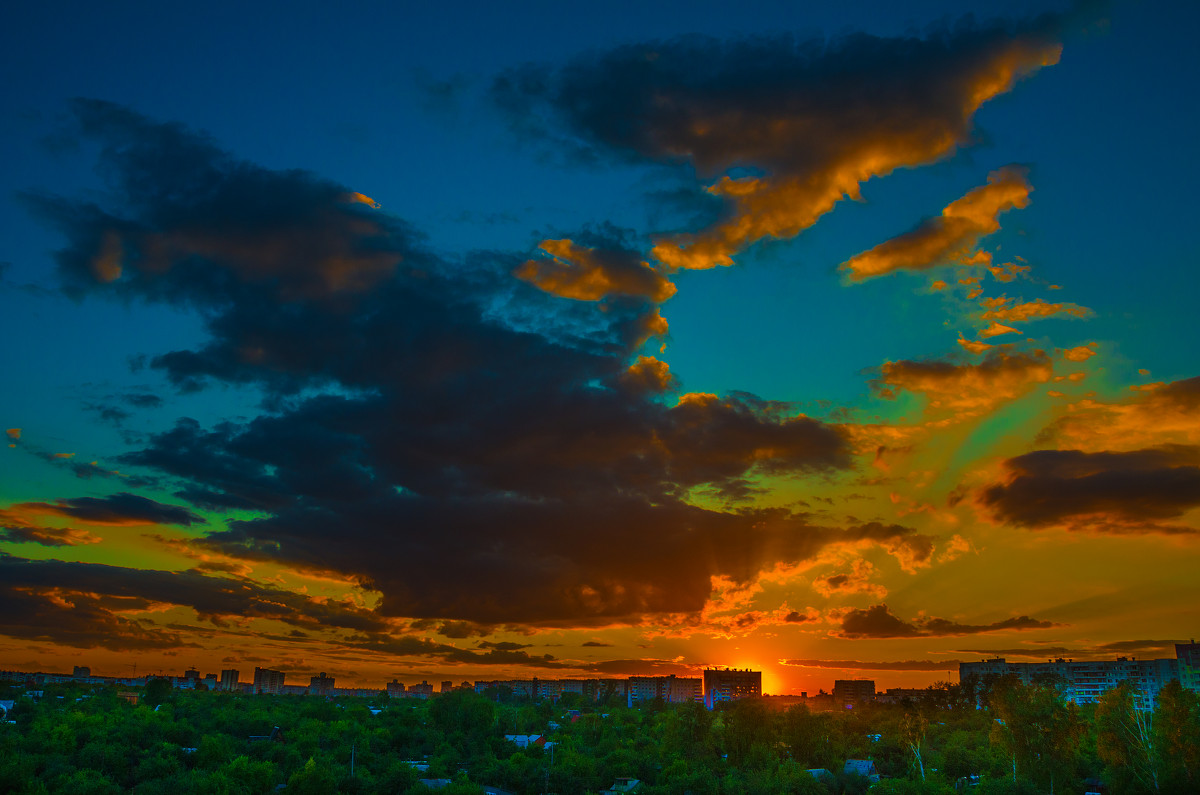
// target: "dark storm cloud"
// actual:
[[1125, 492], [219, 599], [116, 509], [477, 453], [879, 622], [546, 562], [807, 121]]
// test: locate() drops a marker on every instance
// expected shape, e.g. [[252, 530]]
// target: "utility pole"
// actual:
[[351, 760]]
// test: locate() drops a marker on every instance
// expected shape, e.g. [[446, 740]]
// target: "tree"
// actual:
[[1125, 738], [157, 692], [1039, 730], [1177, 737], [913, 729]]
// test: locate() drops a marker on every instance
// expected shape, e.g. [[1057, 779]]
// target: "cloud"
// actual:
[[46, 536], [1164, 413], [814, 119], [1160, 648], [856, 580], [588, 274], [122, 509], [69, 589], [952, 237], [997, 329], [965, 388], [1126, 492], [1034, 310], [864, 665], [1079, 354], [879, 622]]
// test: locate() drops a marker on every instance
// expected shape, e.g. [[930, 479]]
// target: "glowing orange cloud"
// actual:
[[969, 388], [844, 144], [1033, 310], [588, 274], [1159, 414], [361, 199], [950, 237], [648, 374], [1080, 354], [996, 329]]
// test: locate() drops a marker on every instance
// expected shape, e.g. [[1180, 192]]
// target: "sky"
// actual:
[[486, 341]]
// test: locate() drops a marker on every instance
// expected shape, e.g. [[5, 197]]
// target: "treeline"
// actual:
[[88, 740]]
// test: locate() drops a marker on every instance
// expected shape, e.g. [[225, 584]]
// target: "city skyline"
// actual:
[[479, 344]]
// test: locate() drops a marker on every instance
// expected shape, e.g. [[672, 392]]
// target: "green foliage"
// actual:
[[92, 741], [157, 692]]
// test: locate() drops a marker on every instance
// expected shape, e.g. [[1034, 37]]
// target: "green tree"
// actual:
[[1125, 740], [1177, 738], [1040, 731], [312, 779], [157, 692]]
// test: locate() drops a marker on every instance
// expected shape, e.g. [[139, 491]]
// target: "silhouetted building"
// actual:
[[267, 680], [229, 679], [81, 672], [671, 689], [722, 684], [423, 690], [320, 685], [853, 691], [395, 689]]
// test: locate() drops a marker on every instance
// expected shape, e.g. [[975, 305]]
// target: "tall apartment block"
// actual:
[[722, 684], [671, 689], [267, 680], [1085, 681]]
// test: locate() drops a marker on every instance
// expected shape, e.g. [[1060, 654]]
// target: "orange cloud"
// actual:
[[354, 196], [951, 237], [820, 140], [1165, 413], [588, 274], [968, 388], [856, 580], [1080, 354], [1033, 310], [996, 329], [648, 374], [975, 346]]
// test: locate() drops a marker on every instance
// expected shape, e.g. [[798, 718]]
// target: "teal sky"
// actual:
[[445, 380]]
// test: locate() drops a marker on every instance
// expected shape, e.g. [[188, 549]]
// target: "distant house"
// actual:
[[526, 740], [862, 767], [5, 708], [622, 786]]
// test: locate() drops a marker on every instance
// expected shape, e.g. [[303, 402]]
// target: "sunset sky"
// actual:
[[483, 341]]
